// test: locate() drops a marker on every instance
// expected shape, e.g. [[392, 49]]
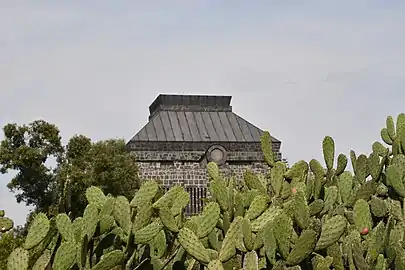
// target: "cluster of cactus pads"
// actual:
[[306, 216], [6, 224]]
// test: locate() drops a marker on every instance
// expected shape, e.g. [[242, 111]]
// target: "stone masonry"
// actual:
[[184, 133], [185, 167]]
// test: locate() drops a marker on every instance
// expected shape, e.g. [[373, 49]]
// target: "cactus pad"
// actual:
[[6, 224], [251, 261], [209, 219], [328, 146], [90, 220], [65, 227], [143, 216], [110, 260], [38, 231], [169, 197], [167, 219], [43, 261], [277, 176], [146, 193], [332, 230], [303, 248], [266, 217], [106, 224], [181, 202], [341, 164], [122, 213], [257, 207], [190, 242], [95, 195], [228, 248], [267, 148], [18, 259], [362, 215], [147, 233], [65, 257], [215, 265]]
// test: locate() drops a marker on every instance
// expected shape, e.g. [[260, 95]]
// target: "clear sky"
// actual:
[[300, 69]]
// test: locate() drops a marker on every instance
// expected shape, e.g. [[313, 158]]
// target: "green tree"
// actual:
[[29, 150], [105, 164], [26, 150]]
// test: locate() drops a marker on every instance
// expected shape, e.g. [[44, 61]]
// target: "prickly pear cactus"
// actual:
[[6, 224], [307, 216], [112, 234]]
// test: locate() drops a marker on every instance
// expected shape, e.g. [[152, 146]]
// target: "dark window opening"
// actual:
[[240, 162], [167, 163]]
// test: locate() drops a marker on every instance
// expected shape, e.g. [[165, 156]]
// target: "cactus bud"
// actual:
[[364, 231]]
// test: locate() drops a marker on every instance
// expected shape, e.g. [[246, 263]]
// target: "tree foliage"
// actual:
[[26, 149], [29, 149], [105, 164]]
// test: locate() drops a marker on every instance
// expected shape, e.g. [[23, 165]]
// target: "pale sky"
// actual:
[[300, 69]]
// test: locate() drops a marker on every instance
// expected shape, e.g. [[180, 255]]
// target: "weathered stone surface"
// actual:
[[191, 174], [179, 157]]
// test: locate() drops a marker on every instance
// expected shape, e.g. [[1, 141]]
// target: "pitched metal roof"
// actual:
[[198, 126]]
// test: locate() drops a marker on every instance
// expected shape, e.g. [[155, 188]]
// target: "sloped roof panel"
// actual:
[[192, 124], [226, 126], [169, 126], [164, 117]]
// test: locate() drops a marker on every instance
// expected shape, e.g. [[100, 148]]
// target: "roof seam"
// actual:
[[196, 124], [188, 126], [227, 119], [154, 128], [219, 118], [146, 131], [171, 126], [250, 130], [240, 128], [206, 129], [178, 121], [163, 127], [213, 126]]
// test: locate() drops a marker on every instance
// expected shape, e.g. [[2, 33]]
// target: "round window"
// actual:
[[217, 155]]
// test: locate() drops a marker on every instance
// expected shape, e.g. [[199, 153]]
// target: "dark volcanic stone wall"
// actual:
[[184, 163], [191, 174], [185, 131]]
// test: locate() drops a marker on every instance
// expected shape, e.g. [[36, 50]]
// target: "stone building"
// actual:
[[185, 132]]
